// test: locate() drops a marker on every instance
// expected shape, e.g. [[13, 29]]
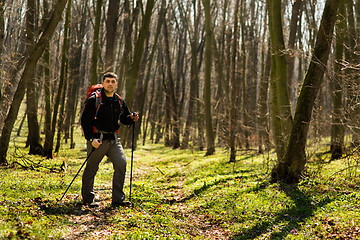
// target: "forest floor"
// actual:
[[180, 194]]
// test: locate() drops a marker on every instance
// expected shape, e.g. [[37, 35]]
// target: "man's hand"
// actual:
[[96, 143], [134, 116]]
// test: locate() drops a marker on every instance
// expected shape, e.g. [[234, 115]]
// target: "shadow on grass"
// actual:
[[293, 216], [74, 208], [206, 185], [80, 220]]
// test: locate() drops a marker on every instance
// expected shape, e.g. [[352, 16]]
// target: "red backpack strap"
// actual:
[[119, 100], [98, 100]]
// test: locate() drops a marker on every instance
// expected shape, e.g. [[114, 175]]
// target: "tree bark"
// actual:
[[76, 40], [280, 102], [290, 168], [9, 88], [111, 28], [47, 149], [132, 76], [234, 87], [49, 145], [2, 36], [352, 73], [246, 96], [63, 77], [95, 47], [31, 61], [170, 90], [194, 76], [142, 91], [210, 139], [47, 91], [337, 128], [31, 99], [296, 10]]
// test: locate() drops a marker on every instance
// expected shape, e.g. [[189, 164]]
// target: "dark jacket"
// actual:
[[108, 117]]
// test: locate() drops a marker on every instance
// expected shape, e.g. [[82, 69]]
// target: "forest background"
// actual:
[[239, 74]]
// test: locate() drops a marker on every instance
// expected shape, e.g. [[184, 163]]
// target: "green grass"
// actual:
[[180, 194]]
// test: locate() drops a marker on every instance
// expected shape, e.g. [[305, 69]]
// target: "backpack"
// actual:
[[96, 89]]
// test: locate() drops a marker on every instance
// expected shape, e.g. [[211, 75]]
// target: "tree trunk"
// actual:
[[47, 149], [280, 102], [31, 99], [77, 34], [352, 73], [263, 127], [250, 68], [140, 95], [159, 113], [2, 36], [337, 128], [194, 76], [127, 31], [31, 62], [296, 10], [147, 60], [111, 28], [95, 47], [47, 92], [170, 87], [63, 77], [210, 139], [132, 76], [290, 168], [234, 87], [9, 89]]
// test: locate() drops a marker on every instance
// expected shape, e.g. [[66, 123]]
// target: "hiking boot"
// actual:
[[121, 204], [91, 205]]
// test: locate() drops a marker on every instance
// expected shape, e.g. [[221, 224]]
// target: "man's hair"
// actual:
[[110, 75]]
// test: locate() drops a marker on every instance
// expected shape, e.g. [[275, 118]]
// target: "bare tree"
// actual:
[[234, 86], [61, 95], [95, 47], [172, 107], [132, 76], [111, 30], [280, 101], [32, 58], [210, 139], [289, 168], [338, 128], [32, 99], [2, 36]]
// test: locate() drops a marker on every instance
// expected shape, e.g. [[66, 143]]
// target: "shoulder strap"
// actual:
[[119, 100], [98, 99]]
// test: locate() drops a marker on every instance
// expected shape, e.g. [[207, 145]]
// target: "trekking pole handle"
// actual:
[[134, 116]]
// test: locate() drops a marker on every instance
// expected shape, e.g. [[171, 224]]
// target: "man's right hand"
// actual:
[[96, 143]]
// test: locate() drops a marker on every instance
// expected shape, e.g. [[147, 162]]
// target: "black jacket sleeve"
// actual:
[[87, 117], [125, 115]]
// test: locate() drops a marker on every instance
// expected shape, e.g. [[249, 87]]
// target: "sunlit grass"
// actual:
[[180, 194]]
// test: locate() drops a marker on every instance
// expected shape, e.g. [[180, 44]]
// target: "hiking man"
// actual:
[[102, 114]]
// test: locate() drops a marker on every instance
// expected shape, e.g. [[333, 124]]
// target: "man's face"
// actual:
[[110, 84]]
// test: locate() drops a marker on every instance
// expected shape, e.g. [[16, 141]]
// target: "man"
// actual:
[[100, 122]]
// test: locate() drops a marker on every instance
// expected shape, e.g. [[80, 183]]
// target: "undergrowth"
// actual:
[[180, 194]]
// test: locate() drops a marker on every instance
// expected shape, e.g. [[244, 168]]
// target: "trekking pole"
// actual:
[[92, 150], [132, 158]]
